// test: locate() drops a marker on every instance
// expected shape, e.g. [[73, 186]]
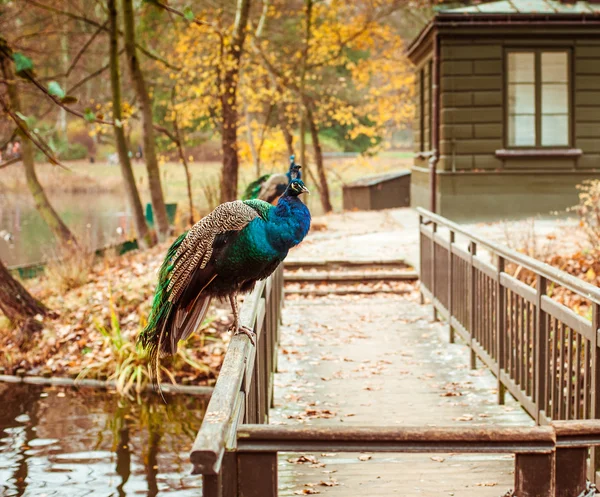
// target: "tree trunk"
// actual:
[[287, 135], [250, 136], [137, 78], [303, 162], [131, 191], [303, 138], [17, 304], [184, 162], [42, 204], [324, 189], [233, 55]]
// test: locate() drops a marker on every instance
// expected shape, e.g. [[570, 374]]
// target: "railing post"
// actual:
[[473, 356], [534, 475], [257, 474], [541, 341], [450, 278], [421, 295], [500, 330], [212, 485], [595, 394], [229, 472], [571, 466], [433, 285]]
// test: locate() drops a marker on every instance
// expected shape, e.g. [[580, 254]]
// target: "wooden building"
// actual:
[[380, 191], [508, 108]]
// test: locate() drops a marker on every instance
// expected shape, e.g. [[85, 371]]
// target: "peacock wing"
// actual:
[[273, 187], [181, 301]]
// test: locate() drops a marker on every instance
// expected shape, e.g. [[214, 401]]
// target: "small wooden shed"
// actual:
[[381, 191], [508, 108]]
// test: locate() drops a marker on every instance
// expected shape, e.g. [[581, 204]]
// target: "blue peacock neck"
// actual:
[[289, 222]]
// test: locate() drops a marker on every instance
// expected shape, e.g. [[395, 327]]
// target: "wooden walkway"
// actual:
[[380, 360]]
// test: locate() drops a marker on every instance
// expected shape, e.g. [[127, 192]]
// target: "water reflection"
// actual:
[[86, 443], [97, 220]]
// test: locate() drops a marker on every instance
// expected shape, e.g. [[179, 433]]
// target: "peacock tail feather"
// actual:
[[161, 306], [253, 189]]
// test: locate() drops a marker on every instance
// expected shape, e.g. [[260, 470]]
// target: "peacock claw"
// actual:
[[244, 330]]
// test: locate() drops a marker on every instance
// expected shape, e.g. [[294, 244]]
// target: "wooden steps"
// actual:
[[348, 277]]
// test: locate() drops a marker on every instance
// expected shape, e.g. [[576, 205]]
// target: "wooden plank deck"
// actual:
[[380, 360]]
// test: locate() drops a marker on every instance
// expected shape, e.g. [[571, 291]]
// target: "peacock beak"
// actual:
[[304, 190]]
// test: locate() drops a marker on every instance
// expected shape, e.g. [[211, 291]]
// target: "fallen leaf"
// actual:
[[303, 460], [464, 417], [329, 483]]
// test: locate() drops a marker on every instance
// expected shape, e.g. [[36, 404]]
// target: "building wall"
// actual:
[[472, 127], [512, 195], [472, 112], [384, 195], [356, 198], [390, 194]]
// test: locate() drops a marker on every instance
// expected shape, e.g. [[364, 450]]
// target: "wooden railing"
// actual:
[[550, 461], [244, 390], [543, 353]]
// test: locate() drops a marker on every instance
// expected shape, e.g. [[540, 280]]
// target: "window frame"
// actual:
[[537, 52], [422, 109], [430, 105]]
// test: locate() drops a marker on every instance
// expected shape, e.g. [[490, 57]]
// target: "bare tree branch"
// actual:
[[58, 101], [34, 139], [85, 47], [102, 27], [195, 20], [91, 76], [12, 160]]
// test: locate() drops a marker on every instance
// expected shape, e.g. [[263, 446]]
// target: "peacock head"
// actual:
[[295, 188], [294, 172]]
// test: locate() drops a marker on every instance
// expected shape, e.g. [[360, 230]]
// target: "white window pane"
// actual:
[[521, 67], [521, 131], [554, 67], [555, 130], [555, 99], [521, 99]]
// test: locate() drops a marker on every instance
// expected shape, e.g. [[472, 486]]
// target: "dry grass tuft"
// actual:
[[69, 268]]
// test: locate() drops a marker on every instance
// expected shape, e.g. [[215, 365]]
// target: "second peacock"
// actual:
[[270, 187], [224, 254]]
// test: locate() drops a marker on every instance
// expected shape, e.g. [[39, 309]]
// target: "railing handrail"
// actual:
[[481, 439], [223, 411], [562, 278]]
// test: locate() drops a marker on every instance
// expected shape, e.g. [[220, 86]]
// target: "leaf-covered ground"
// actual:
[[73, 339]]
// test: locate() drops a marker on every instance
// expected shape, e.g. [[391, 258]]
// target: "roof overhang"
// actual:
[[454, 24]]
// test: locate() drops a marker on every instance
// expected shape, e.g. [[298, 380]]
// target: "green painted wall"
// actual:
[[471, 103], [472, 129], [506, 196]]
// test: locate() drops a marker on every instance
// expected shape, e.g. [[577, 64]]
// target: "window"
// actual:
[[538, 98], [425, 106]]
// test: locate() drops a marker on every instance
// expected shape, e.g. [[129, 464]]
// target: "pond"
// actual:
[[69, 443], [97, 219]]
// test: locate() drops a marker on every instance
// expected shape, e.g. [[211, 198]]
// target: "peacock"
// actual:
[[269, 187], [223, 254]]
